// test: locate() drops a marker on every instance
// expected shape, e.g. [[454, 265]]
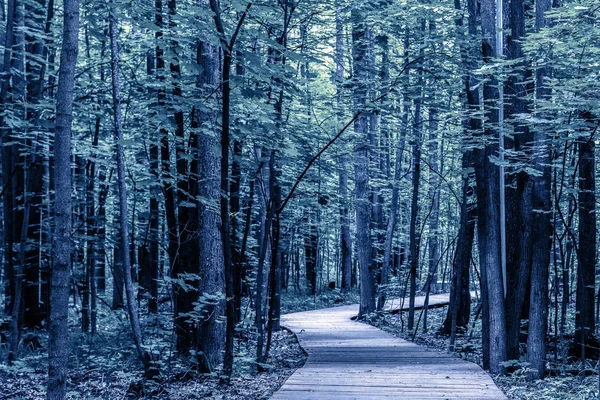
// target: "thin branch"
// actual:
[[337, 136], [238, 27]]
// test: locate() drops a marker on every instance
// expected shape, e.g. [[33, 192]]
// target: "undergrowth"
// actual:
[[106, 366], [571, 380]]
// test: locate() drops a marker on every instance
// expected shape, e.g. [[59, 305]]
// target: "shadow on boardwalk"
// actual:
[[351, 360]]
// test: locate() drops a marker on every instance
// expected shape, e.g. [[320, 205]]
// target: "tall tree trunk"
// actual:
[[91, 222], [117, 265], [361, 163], [345, 236], [21, 207], [58, 344], [519, 190], [488, 189], [211, 335], [154, 235], [8, 170], [124, 229], [186, 265], [586, 268], [392, 221], [433, 244], [37, 25], [460, 298], [542, 225], [414, 206]]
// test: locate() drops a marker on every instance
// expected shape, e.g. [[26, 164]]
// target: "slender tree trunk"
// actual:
[[58, 344], [414, 207], [124, 229], [311, 240], [21, 208], [117, 265], [542, 226], [345, 236], [434, 195], [154, 236], [91, 222], [8, 170]]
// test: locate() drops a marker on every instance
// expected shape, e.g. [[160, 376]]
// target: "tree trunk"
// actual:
[[542, 226], [21, 207], [361, 164], [459, 309], [345, 236], [488, 189], [58, 344], [434, 196], [211, 334], [584, 316], [519, 190], [414, 236], [310, 254], [149, 367]]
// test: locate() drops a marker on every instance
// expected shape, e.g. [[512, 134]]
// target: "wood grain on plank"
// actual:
[[352, 360]]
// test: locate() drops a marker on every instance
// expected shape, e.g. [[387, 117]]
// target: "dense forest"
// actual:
[[177, 174]]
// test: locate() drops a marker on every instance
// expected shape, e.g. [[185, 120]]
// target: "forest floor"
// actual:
[[582, 386], [107, 367]]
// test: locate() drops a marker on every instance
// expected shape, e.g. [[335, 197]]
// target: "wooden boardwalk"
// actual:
[[352, 360]]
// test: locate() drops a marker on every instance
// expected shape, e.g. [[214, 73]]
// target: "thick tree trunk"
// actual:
[[542, 226], [210, 342], [58, 344], [519, 190], [361, 164], [584, 316], [488, 189]]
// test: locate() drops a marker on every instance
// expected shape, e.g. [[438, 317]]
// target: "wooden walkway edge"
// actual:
[[352, 360]]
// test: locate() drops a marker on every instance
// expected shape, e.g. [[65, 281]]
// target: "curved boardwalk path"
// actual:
[[352, 360]]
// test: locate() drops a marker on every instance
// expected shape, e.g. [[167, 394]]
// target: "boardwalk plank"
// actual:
[[351, 360]]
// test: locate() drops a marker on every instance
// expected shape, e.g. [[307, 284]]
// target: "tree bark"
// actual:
[[414, 239], [541, 223], [149, 367], [488, 189], [58, 344], [345, 236], [584, 316], [361, 163], [519, 190], [211, 333]]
